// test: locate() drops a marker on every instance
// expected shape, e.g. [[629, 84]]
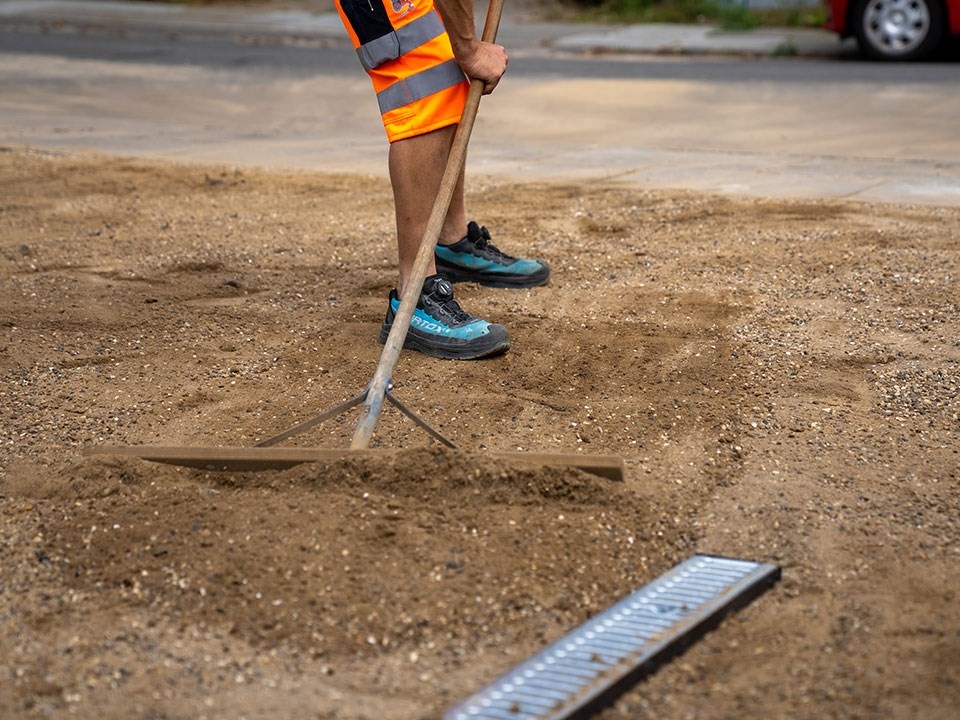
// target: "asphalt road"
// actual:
[[780, 127], [296, 56]]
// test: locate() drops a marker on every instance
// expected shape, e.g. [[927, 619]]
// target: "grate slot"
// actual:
[[560, 668], [538, 693], [563, 687], [610, 646]]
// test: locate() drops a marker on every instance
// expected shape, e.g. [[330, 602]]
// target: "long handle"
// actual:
[[370, 412]]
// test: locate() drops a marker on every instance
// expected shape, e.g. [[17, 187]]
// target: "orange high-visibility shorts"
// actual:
[[406, 52]]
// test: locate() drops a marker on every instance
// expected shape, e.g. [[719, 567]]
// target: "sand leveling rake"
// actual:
[[264, 456]]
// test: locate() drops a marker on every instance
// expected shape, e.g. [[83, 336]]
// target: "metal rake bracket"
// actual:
[[347, 405]]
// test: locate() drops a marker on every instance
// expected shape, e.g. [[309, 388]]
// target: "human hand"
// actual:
[[485, 61]]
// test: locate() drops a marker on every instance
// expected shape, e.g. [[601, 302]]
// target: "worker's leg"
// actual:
[[464, 251], [439, 327], [417, 165]]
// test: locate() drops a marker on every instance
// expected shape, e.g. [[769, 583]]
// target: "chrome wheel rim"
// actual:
[[896, 27]]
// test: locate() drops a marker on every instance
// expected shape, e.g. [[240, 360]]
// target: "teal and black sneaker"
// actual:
[[476, 259], [441, 328]]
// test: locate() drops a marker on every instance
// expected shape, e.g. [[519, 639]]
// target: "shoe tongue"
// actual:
[[479, 235]]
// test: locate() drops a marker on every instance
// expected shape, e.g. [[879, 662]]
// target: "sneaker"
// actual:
[[441, 328], [476, 259]]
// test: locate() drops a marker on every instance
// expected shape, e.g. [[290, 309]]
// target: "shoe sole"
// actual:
[[494, 343], [494, 280]]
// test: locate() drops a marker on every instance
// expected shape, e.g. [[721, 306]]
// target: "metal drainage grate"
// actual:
[[585, 669]]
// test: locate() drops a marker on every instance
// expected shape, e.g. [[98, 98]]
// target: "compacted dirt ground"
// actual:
[[781, 379]]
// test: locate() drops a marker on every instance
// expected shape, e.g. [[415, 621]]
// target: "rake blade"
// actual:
[[274, 458]]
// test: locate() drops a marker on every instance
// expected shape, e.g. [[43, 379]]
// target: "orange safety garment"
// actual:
[[406, 52]]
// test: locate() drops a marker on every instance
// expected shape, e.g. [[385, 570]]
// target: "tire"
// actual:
[[898, 29]]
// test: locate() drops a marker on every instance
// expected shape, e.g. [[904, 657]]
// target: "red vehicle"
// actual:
[[895, 29]]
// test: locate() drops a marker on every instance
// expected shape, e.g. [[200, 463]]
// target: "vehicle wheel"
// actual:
[[898, 29]]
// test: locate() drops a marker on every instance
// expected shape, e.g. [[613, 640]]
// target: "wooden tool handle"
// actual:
[[491, 25], [370, 412]]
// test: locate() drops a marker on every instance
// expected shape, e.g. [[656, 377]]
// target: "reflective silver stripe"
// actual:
[[416, 87], [401, 41]]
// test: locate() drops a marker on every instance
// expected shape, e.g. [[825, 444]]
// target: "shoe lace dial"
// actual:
[[439, 294], [482, 241]]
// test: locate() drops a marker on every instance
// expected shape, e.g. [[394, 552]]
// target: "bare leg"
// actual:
[[416, 169]]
